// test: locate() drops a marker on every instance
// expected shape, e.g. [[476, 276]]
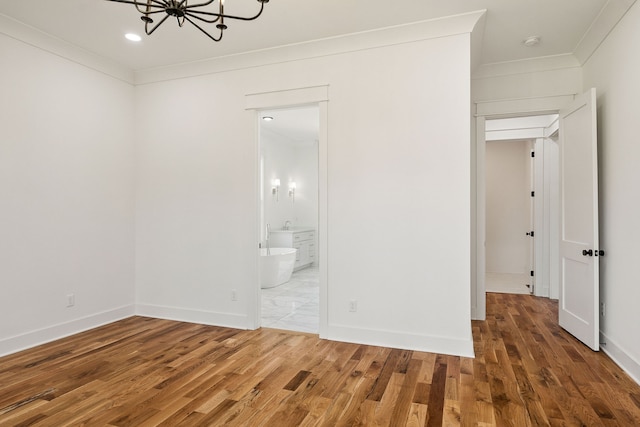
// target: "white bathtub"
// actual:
[[276, 269]]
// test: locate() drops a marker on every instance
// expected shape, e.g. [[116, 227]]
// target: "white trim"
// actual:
[[464, 23], [227, 320], [255, 298], [540, 220], [318, 95], [552, 201], [287, 97], [477, 37], [323, 216], [43, 41], [514, 134], [525, 66], [621, 357], [478, 286], [553, 128], [523, 106], [497, 109], [416, 342], [609, 16], [389, 36], [62, 330]]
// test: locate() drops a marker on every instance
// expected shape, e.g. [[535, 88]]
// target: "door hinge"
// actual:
[[533, 194], [533, 154], [530, 233], [531, 273]]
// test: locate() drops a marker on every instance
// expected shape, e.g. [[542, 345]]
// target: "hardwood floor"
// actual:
[[148, 372]]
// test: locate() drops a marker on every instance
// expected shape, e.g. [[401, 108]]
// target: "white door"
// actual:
[[579, 292]]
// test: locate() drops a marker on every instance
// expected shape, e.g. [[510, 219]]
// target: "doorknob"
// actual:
[[587, 252]]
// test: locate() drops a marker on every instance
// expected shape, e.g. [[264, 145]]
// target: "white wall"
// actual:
[[613, 70], [399, 237], [279, 159], [290, 162], [196, 201], [305, 174], [66, 196], [508, 201]]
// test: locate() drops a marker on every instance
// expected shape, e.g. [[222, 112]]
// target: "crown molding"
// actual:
[[526, 66], [407, 33], [607, 19], [389, 36], [55, 46]]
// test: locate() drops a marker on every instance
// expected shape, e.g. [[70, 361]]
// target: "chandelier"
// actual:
[[194, 13]]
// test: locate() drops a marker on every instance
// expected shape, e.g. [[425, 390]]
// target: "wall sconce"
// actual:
[[292, 191], [275, 188]]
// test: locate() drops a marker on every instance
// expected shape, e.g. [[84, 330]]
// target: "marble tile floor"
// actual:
[[294, 305]]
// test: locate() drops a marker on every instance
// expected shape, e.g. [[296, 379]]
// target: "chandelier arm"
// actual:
[[192, 13], [206, 3], [241, 18], [200, 28], [159, 5], [153, 12], [146, 26]]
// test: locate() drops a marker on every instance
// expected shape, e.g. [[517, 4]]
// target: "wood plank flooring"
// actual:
[[150, 372]]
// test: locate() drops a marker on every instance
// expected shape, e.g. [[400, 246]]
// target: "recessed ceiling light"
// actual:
[[133, 37], [531, 41], [267, 118]]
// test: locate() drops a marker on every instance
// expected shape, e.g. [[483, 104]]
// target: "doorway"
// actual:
[[576, 246], [289, 218], [509, 216], [519, 155]]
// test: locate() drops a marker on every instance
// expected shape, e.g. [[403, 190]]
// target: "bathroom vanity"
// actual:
[[301, 238]]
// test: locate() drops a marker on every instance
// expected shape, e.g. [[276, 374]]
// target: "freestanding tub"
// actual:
[[276, 268]]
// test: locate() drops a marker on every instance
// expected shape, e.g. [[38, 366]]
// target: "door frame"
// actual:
[[486, 111], [287, 98], [527, 144]]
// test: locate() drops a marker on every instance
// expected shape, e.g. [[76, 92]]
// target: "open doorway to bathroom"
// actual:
[[289, 274]]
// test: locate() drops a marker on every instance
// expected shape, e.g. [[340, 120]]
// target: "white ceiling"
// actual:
[[99, 26]]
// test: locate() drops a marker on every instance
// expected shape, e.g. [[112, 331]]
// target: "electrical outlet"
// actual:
[[71, 300], [234, 295], [603, 308], [353, 306]]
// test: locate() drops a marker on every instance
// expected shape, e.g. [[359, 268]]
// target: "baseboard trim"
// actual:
[[426, 343], [227, 320], [55, 332], [621, 357]]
